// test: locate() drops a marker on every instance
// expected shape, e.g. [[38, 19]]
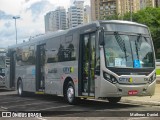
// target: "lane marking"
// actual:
[[4, 108]]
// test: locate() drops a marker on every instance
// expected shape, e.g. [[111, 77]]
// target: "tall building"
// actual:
[[76, 14], [87, 14], [48, 18], [72, 17], [124, 6], [56, 20], [147, 3], [102, 8]]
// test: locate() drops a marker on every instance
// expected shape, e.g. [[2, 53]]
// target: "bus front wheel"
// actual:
[[70, 93], [114, 100]]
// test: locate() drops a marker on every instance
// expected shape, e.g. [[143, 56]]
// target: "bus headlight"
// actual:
[[152, 78], [109, 78]]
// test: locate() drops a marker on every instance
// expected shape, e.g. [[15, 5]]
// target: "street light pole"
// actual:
[[15, 18], [130, 10]]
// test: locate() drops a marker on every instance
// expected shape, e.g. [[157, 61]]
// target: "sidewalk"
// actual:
[[158, 79], [154, 100]]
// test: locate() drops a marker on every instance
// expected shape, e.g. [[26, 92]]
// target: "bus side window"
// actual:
[[7, 59]]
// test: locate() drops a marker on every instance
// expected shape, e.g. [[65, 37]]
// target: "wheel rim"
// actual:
[[70, 94], [20, 89]]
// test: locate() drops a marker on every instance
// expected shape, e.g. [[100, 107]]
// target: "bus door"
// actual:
[[12, 70], [88, 56], [40, 68]]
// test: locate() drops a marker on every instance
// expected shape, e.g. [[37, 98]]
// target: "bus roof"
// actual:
[[122, 22], [62, 32]]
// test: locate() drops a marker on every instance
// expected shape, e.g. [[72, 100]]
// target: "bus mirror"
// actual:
[[97, 70], [101, 38]]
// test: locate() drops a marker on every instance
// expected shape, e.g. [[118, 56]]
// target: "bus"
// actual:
[[2, 67], [98, 60]]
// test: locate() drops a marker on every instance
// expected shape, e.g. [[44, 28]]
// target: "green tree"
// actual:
[[151, 18]]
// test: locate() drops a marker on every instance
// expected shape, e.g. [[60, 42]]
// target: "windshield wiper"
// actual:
[[121, 43], [136, 44]]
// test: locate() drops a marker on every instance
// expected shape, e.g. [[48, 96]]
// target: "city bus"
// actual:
[[98, 60], [2, 67]]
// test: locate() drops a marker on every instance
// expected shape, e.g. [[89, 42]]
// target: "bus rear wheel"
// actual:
[[114, 100], [70, 93], [20, 88]]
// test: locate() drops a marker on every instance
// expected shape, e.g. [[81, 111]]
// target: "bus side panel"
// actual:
[[27, 75], [56, 73], [106, 88], [7, 77], [61, 56]]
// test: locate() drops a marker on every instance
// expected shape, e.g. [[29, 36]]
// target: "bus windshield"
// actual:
[[128, 51]]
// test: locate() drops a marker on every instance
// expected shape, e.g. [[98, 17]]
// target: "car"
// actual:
[[158, 62]]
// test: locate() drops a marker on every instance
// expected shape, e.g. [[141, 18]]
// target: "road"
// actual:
[[53, 106]]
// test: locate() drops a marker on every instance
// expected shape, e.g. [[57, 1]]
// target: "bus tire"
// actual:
[[114, 100], [20, 88], [70, 93]]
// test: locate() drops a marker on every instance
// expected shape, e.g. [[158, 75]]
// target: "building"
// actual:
[[102, 8], [49, 21], [72, 17], [147, 3], [76, 14], [87, 14], [124, 6], [56, 20]]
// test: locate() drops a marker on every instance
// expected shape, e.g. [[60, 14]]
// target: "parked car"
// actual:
[[158, 62]]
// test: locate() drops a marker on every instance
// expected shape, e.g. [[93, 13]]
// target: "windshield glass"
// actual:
[[128, 51]]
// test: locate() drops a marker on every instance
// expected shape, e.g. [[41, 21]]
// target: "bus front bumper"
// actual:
[[119, 90]]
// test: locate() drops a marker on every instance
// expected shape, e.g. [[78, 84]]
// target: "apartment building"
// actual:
[[147, 3], [124, 6], [102, 8], [56, 20], [76, 14], [87, 14]]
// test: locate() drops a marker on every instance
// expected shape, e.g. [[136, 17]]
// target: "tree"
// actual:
[[151, 18]]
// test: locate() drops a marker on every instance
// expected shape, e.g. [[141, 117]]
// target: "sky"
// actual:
[[31, 20]]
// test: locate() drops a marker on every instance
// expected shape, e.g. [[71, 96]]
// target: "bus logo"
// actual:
[[131, 80], [68, 70]]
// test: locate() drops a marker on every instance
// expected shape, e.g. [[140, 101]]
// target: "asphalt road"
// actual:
[[52, 106]]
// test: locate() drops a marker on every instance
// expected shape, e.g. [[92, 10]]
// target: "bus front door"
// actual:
[[88, 64], [12, 71], [40, 70]]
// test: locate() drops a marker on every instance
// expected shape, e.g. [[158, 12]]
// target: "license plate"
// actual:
[[132, 92]]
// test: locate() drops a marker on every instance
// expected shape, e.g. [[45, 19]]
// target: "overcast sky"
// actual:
[[31, 20]]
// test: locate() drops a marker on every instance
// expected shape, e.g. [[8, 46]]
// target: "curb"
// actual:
[[153, 103]]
